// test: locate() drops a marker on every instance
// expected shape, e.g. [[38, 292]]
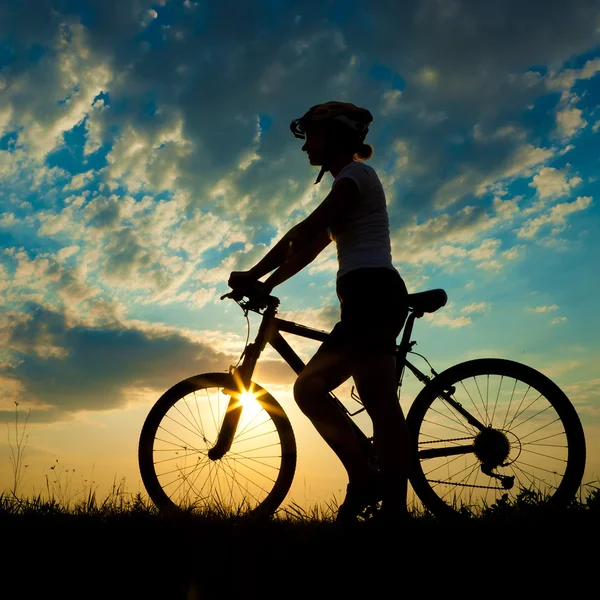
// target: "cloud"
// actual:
[[518, 162], [558, 320], [53, 96], [448, 85], [199, 173], [82, 367], [62, 368], [557, 217], [67, 252], [551, 182], [454, 323], [443, 318], [477, 307], [569, 121], [584, 395], [79, 181], [390, 101], [544, 309], [564, 80]]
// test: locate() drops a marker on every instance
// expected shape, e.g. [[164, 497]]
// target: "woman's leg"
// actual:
[[324, 372], [375, 378]]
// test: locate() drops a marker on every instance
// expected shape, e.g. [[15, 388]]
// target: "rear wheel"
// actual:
[[254, 476], [532, 442]]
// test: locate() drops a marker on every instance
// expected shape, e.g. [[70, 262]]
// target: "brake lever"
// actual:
[[237, 297]]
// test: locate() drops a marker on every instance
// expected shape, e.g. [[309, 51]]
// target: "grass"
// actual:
[[120, 546], [68, 542]]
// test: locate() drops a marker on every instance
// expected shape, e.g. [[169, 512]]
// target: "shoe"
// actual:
[[359, 498]]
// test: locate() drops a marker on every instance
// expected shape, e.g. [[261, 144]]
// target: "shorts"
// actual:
[[374, 307]]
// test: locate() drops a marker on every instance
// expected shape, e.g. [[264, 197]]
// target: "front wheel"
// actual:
[[254, 476], [531, 440]]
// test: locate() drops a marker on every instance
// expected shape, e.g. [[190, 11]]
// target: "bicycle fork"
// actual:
[[232, 415], [242, 377]]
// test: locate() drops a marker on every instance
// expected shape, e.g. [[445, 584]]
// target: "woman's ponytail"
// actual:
[[364, 152]]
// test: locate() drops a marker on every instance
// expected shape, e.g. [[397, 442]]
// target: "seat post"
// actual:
[[408, 327]]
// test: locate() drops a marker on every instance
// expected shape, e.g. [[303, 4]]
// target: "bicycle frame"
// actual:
[[270, 333]]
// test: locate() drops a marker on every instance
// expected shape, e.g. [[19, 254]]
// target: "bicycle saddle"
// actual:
[[427, 302]]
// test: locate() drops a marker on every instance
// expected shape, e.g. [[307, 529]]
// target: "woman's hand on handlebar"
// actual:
[[241, 279], [245, 283]]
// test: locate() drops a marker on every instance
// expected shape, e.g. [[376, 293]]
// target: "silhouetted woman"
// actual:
[[373, 302]]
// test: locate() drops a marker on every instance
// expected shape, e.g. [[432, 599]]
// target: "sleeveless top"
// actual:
[[362, 234]]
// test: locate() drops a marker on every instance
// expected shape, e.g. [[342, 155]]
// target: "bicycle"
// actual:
[[482, 430]]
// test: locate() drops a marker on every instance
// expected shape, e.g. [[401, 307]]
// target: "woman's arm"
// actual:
[[289, 244], [343, 197], [301, 239], [299, 260]]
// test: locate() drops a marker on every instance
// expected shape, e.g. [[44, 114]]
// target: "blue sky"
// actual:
[[145, 153]]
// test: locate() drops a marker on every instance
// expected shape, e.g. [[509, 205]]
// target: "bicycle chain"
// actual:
[[481, 487], [449, 440]]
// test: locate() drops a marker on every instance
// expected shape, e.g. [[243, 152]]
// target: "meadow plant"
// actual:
[[17, 442]]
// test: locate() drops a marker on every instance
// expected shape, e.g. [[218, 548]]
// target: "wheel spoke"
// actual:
[[521, 405], [472, 401], [259, 462], [545, 455], [539, 429], [253, 437], [496, 401], [445, 426], [445, 464], [177, 457], [256, 469], [185, 427], [512, 395], [186, 445], [532, 416], [461, 423]]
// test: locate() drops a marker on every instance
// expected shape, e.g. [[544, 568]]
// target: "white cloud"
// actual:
[[544, 309], [6, 114], [557, 320], [569, 121], [513, 253], [148, 16], [474, 182], [564, 80], [79, 181], [63, 90], [67, 252], [476, 307], [201, 297], [390, 102], [556, 217], [551, 182], [150, 157], [442, 320]]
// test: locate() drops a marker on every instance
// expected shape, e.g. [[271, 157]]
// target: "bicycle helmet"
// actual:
[[356, 118]]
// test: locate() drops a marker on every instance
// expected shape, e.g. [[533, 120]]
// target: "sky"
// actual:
[[145, 153]]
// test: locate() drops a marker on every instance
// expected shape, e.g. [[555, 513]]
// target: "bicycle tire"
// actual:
[[173, 434], [558, 443]]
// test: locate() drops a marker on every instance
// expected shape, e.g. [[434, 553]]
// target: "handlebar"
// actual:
[[257, 298]]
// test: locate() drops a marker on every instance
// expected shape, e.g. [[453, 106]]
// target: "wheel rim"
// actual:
[[518, 415], [239, 482]]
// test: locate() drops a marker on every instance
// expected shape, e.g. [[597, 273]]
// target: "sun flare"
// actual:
[[247, 398]]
